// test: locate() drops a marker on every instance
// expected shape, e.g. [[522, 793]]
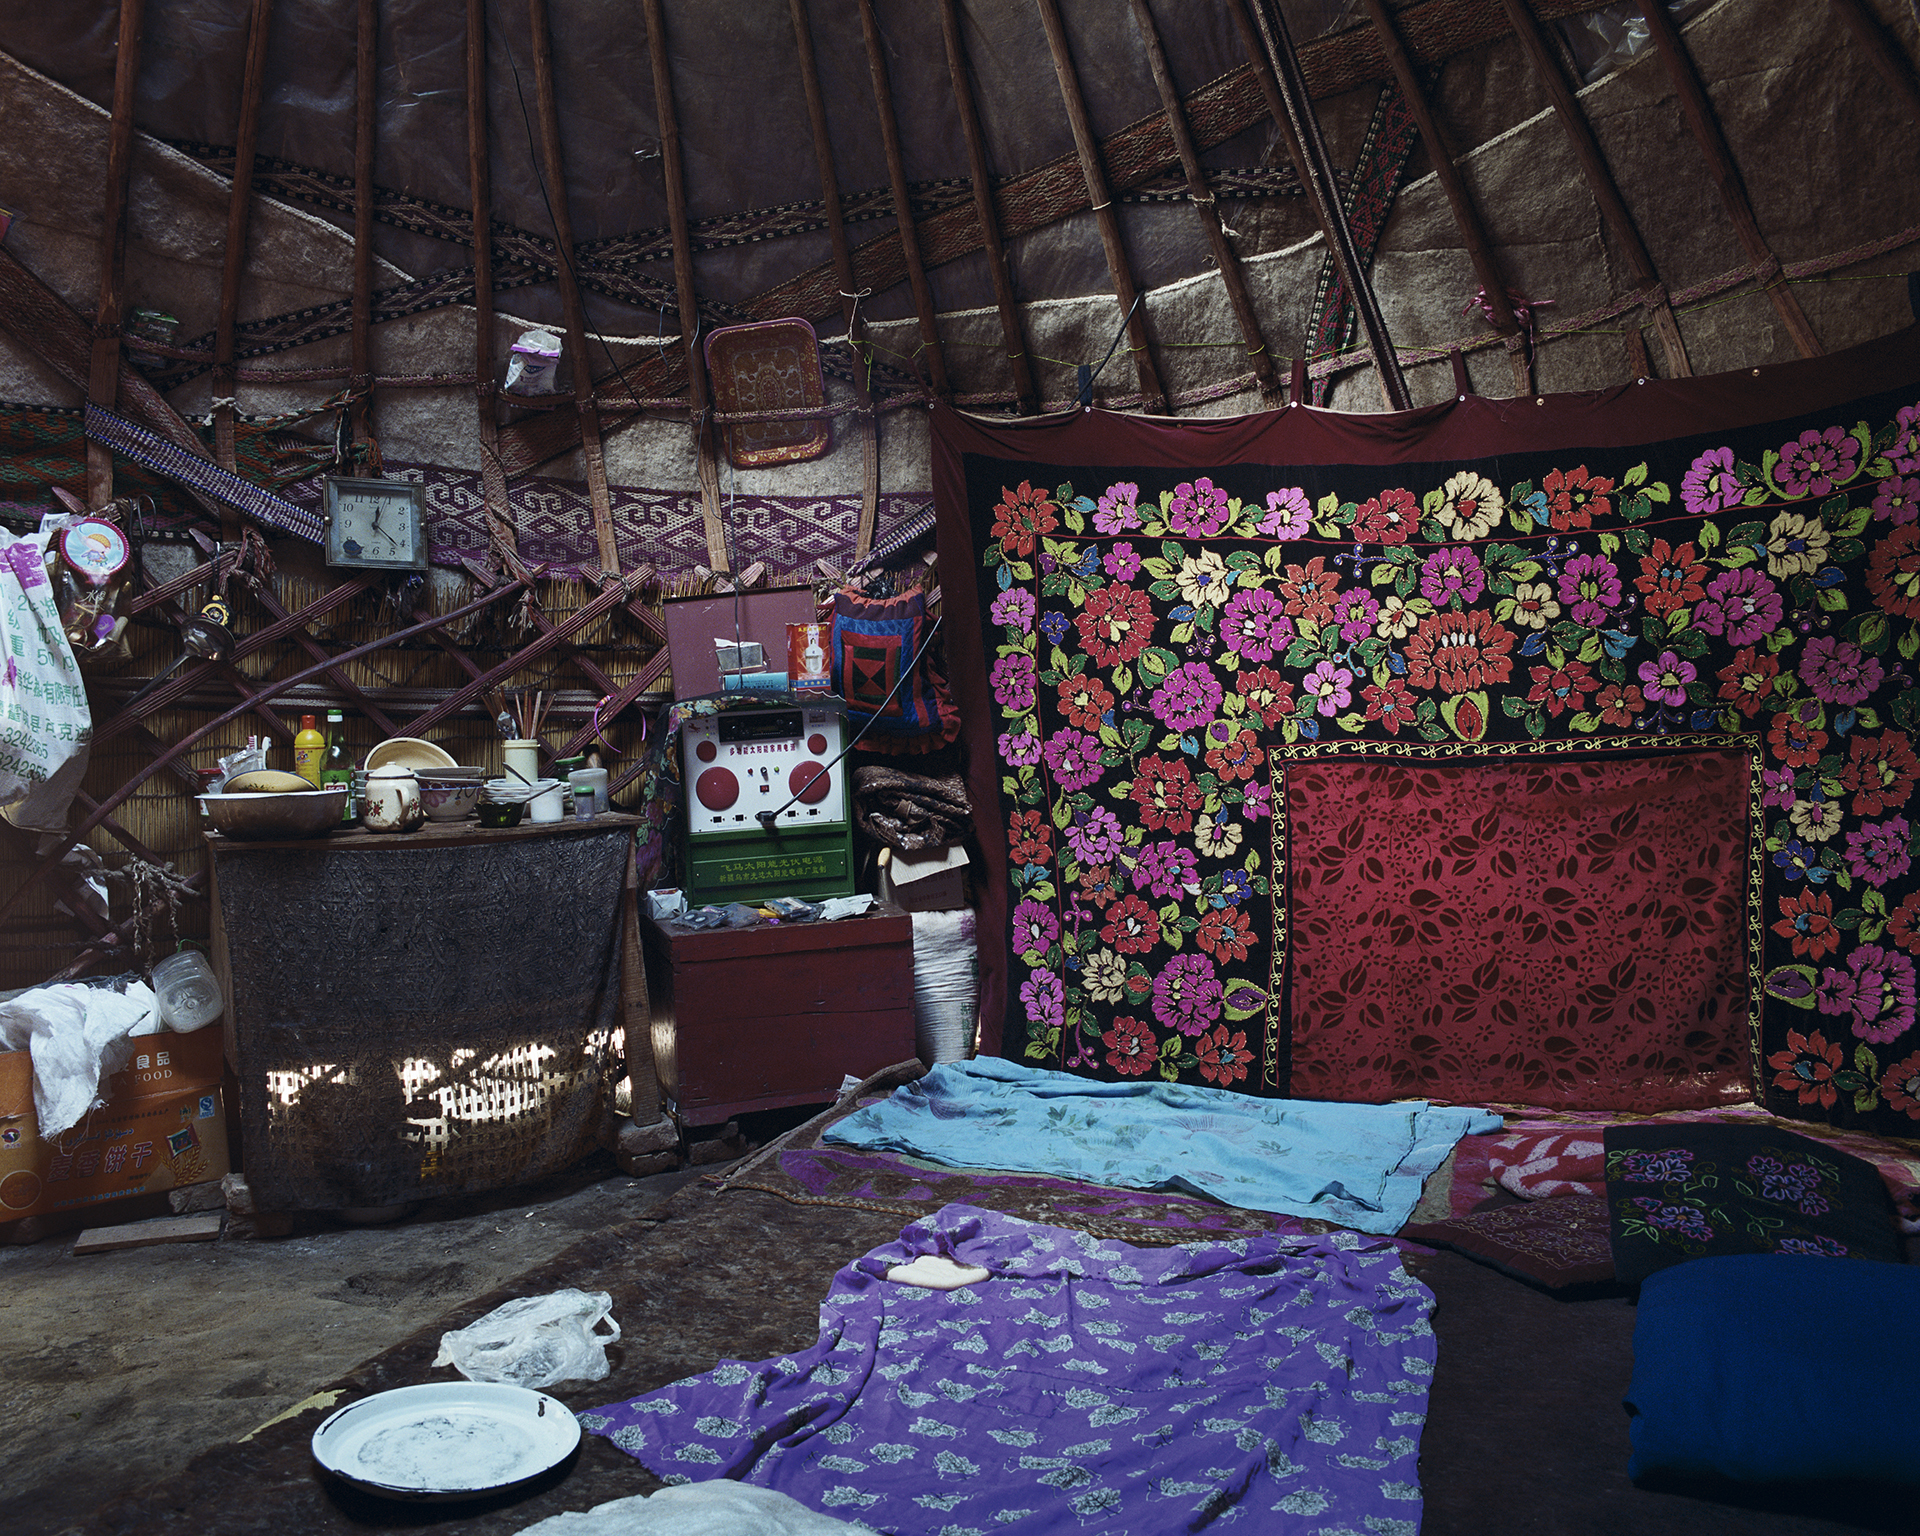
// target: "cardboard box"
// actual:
[[931, 881], [162, 1127]]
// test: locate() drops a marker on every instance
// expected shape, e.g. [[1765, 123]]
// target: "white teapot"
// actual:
[[393, 801]]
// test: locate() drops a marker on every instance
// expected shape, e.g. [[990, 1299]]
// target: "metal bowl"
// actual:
[[303, 813]]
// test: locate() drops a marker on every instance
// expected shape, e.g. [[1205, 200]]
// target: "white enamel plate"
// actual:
[[446, 1440]]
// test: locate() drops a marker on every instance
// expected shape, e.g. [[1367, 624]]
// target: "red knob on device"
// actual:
[[817, 744], [717, 788], [706, 751], [809, 782]]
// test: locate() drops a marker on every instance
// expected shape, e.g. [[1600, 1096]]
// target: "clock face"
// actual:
[[375, 525]]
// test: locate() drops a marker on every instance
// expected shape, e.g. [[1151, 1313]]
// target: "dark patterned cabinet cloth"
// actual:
[[761, 1017], [423, 1014]]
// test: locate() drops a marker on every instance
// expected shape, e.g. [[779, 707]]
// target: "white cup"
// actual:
[[548, 805]]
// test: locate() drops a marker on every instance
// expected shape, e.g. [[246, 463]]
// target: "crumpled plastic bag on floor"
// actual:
[[79, 1037], [534, 1341], [718, 1508]]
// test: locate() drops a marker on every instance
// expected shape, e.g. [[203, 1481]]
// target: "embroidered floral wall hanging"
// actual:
[[1690, 610]]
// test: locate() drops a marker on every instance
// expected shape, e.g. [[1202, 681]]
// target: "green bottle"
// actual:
[[337, 766]]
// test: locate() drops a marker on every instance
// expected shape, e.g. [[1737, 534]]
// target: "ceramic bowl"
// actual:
[[301, 813], [409, 752], [454, 775], [513, 792], [448, 802], [497, 814]]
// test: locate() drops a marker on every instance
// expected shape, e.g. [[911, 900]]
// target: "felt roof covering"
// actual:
[[1807, 98]]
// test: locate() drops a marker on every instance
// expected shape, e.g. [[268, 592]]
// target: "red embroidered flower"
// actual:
[[1226, 935], [1267, 693], [1880, 773], [1389, 703], [1620, 705], [1459, 652], [1671, 578], [1238, 759], [1166, 794], [1893, 572], [1900, 1086], [1903, 927], [1748, 679], [1132, 927], [1309, 590], [1807, 919], [1115, 625], [1807, 1066], [1021, 516], [1575, 498], [1794, 741], [1099, 885], [1131, 1048], [1083, 700], [1389, 518], [1029, 838], [1224, 1058], [1561, 688]]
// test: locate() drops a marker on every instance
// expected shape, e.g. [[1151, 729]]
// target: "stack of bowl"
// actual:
[[449, 794]]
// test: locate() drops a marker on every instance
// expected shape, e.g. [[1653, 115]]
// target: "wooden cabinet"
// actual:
[[758, 1018]]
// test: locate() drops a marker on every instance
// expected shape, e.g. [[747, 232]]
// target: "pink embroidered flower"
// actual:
[[1073, 758], [1165, 870], [1330, 687], [1712, 485], [1035, 928], [1198, 509], [1288, 514], [1095, 836], [1898, 499], [1838, 671], [1045, 1002], [1014, 608], [1903, 453], [1666, 679], [1877, 997], [1355, 612], [1121, 563], [1255, 625], [1813, 463], [1877, 852], [1013, 678], [1019, 749], [1186, 994], [1743, 606], [1452, 577], [1590, 586], [1188, 698], [1118, 510]]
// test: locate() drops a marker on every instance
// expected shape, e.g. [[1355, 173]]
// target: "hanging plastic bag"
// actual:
[[45, 724], [534, 1341]]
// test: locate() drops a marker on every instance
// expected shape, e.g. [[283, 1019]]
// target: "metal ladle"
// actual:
[[203, 636]]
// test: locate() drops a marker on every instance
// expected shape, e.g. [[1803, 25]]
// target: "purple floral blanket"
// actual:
[[1086, 1385]]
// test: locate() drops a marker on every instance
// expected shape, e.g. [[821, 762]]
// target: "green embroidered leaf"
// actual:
[[1639, 540], [1635, 476], [1352, 722], [1123, 679], [1156, 663], [1584, 722], [1022, 570], [1708, 537], [1135, 733]]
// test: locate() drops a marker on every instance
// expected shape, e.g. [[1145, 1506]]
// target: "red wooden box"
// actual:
[[762, 1017]]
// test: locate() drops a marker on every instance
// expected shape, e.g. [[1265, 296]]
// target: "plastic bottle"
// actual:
[[338, 768], [309, 751]]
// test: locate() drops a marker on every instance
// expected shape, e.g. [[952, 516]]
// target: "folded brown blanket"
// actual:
[[910, 811]]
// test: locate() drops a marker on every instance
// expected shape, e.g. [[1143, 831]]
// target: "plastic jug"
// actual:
[[188, 993]]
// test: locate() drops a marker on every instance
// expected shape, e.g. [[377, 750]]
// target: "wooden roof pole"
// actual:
[[843, 270], [1893, 66], [1224, 256], [1316, 168], [673, 172], [1118, 267], [103, 379], [1606, 193], [239, 208], [1026, 396], [493, 477], [1698, 111], [366, 95], [902, 203], [1466, 216], [576, 339]]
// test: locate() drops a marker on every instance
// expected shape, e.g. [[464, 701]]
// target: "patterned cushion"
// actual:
[[1679, 1191], [874, 639], [1553, 1244]]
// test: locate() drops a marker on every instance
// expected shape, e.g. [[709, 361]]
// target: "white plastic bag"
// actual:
[[534, 1341], [79, 1037], [44, 719]]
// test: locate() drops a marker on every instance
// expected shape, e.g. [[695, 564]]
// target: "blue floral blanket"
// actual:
[[1085, 1385], [1357, 1165]]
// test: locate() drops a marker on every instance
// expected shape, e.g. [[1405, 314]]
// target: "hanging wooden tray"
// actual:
[[772, 365]]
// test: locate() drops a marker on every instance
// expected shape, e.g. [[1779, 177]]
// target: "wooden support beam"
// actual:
[[1698, 111], [1316, 171], [1026, 396], [103, 376], [1606, 193], [502, 535], [366, 97], [1893, 65], [902, 203], [234, 258], [1224, 256], [1466, 215], [591, 446], [673, 173], [850, 292], [1101, 201]]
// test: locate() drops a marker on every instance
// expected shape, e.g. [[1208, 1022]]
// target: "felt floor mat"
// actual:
[[1525, 1431]]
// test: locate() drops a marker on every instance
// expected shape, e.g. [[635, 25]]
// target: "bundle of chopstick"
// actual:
[[522, 710]]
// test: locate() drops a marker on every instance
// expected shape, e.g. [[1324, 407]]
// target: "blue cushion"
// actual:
[[1768, 1367]]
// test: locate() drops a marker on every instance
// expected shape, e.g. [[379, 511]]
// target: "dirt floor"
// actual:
[[119, 1367]]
